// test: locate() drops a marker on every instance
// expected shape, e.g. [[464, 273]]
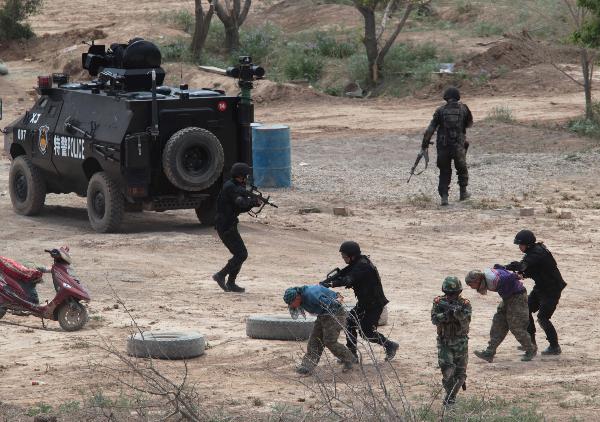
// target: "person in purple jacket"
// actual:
[[331, 319], [512, 313]]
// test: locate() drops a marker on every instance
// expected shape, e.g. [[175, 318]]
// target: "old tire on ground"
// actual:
[[26, 186], [3, 69], [193, 159], [72, 316], [167, 345], [105, 203], [279, 327], [383, 319]]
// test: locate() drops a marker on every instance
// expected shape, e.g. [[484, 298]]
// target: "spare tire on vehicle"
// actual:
[[166, 345], [193, 159], [279, 327]]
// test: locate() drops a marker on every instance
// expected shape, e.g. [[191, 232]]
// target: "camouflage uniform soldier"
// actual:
[[512, 313], [451, 313], [451, 122]]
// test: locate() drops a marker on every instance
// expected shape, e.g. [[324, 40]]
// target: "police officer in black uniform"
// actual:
[[451, 122], [539, 265], [232, 201], [362, 276]]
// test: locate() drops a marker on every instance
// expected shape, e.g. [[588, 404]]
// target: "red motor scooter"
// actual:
[[66, 307]]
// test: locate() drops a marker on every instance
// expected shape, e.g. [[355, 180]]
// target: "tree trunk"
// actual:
[[232, 38], [233, 14], [586, 67], [201, 27], [370, 42]]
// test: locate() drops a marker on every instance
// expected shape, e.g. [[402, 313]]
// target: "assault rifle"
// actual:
[[331, 276], [424, 153], [254, 193], [450, 307]]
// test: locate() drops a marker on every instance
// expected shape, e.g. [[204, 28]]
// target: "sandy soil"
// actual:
[[161, 264]]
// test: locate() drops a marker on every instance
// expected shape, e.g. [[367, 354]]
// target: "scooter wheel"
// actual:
[[72, 316]]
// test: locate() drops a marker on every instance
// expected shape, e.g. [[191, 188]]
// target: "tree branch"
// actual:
[[392, 38]]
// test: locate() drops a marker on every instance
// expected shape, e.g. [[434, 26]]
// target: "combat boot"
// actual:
[[486, 355], [464, 194], [444, 200], [391, 347], [552, 350], [232, 287], [220, 279], [529, 355]]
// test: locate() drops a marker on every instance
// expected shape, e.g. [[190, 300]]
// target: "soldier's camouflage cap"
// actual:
[[451, 284]]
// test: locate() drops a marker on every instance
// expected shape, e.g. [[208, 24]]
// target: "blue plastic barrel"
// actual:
[[272, 156]]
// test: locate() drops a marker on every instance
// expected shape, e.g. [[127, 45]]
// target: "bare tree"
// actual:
[[376, 44], [233, 14], [587, 53], [202, 25]]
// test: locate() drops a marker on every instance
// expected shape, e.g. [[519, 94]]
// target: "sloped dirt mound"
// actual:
[[301, 15], [48, 45], [516, 53], [264, 90]]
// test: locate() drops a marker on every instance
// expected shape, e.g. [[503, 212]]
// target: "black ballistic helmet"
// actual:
[[452, 93], [240, 170], [350, 248], [525, 237]]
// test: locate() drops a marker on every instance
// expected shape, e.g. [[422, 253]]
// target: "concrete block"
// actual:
[[343, 211]]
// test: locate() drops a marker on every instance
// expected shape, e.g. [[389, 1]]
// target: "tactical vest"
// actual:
[[452, 124]]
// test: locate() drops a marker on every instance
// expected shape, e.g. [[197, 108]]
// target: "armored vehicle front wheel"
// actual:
[[193, 159], [26, 186], [105, 203]]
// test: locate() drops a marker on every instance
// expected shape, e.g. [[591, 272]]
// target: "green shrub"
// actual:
[[259, 42], [487, 29], [358, 68], [501, 114], [405, 60], [302, 63], [215, 40], [328, 46], [585, 127], [180, 19], [12, 15], [176, 50]]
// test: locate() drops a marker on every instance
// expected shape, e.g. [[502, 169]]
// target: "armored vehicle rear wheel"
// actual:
[[26, 186], [105, 203], [193, 159]]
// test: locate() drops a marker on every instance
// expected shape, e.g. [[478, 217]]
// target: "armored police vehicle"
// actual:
[[125, 141]]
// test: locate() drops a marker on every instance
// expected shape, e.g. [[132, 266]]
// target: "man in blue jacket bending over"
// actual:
[[331, 318]]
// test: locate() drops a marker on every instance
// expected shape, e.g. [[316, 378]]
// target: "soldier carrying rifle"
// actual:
[[451, 122], [451, 314]]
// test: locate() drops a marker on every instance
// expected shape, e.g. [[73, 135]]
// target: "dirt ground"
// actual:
[[355, 153]]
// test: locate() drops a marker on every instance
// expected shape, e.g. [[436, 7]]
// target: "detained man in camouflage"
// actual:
[[512, 313], [331, 318], [451, 122], [451, 313]]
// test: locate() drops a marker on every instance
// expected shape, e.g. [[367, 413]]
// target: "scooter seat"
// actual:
[[18, 271]]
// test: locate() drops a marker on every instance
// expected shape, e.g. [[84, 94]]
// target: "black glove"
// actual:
[[514, 266], [326, 283]]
